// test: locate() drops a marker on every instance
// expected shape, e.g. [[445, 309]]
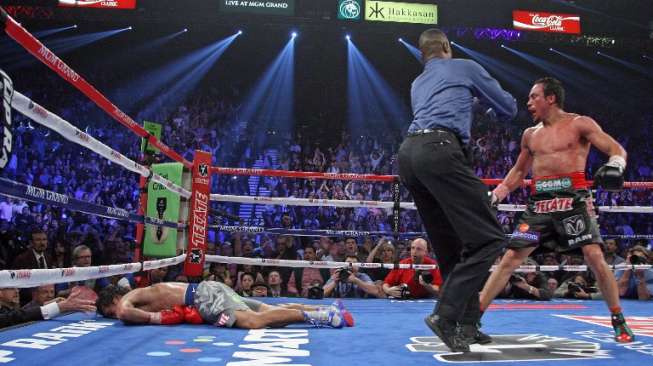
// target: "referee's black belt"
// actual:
[[429, 131]]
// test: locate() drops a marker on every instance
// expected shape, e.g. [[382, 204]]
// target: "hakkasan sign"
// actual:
[[385, 11]]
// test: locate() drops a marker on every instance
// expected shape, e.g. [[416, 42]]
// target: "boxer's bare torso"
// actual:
[[558, 148]]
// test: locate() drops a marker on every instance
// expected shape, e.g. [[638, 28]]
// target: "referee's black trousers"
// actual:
[[455, 209]]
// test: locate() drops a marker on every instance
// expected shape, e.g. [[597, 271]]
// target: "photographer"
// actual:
[[638, 283], [578, 287], [415, 284], [349, 282], [531, 285]]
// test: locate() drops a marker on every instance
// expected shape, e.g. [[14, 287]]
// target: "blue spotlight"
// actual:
[[401, 40], [348, 37], [517, 78], [75, 26], [293, 34], [49, 32], [598, 52], [630, 65], [372, 103], [239, 32], [167, 85], [452, 42], [502, 46], [413, 50], [269, 105], [185, 30], [551, 49]]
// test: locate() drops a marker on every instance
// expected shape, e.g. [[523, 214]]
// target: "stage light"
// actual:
[[240, 32], [551, 49], [348, 37], [293, 34], [75, 26], [130, 28], [401, 40], [185, 30]]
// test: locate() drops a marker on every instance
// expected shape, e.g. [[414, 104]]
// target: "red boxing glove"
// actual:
[[174, 316], [192, 316]]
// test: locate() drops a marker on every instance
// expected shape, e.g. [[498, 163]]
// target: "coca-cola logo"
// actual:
[[546, 22], [551, 20]]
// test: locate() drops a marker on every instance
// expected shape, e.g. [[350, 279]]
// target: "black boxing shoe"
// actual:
[[448, 333], [472, 334]]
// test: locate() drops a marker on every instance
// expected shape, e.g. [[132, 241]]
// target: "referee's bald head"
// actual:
[[434, 43]]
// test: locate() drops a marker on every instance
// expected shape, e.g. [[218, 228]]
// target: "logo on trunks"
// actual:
[[551, 185], [513, 348], [224, 318], [574, 225], [554, 205], [526, 235]]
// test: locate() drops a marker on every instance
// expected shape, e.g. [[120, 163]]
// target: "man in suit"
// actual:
[[35, 257]]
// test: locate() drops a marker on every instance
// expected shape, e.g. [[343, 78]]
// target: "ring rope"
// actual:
[[50, 59], [261, 200], [34, 194], [362, 233], [363, 177], [36, 277], [71, 133]]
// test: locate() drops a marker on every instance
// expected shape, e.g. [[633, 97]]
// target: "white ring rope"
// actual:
[[37, 277], [71, 133], [308, 201], [259, 200]]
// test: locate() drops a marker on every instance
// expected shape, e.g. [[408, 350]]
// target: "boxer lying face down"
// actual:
[[211, 302]]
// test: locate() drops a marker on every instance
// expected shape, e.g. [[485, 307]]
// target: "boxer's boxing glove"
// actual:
[[611, 175], [191, 315], [174, 316], [499, 194]]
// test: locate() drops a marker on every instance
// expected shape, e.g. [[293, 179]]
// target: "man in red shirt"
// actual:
[[418, 287]]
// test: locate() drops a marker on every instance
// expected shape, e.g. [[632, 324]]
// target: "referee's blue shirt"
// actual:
[[442, 96]]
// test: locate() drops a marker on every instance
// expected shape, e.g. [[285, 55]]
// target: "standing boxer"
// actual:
[[560, 215]]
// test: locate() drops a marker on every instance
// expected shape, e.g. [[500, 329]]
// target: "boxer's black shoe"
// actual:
[[448, 333]]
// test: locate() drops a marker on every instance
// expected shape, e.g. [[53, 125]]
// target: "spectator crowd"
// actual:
[[39, 236]]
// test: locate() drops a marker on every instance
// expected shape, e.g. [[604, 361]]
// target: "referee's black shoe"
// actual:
[[448, 332], [473, 334]]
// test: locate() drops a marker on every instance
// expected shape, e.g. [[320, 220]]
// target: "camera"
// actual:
[[344, 274], [637, 259], [315, 292], [516, 279], [427, 276], [405, 291], [573, 288]]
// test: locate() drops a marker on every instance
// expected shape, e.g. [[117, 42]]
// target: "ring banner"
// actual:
[[163, 204], [197, 219], [7, 143]]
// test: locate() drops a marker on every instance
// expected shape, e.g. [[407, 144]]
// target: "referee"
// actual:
[[453, 203]]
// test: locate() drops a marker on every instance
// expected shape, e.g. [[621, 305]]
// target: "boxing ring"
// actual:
[[387, 332]]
